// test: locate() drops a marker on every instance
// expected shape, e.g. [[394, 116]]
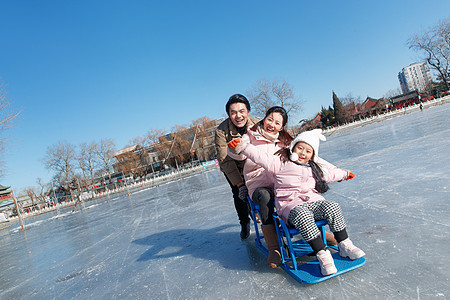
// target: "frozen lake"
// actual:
[[180, 240]]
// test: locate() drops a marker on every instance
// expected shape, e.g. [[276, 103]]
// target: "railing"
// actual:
[[60, 201]]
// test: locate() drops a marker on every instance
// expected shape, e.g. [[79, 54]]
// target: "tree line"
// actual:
[[78, 168]]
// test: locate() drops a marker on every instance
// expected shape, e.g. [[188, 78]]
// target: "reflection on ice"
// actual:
[[181, 239]]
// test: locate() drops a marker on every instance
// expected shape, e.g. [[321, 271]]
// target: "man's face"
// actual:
[[238, 114]]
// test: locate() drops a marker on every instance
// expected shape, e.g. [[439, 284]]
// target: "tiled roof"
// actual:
[[126, 150]]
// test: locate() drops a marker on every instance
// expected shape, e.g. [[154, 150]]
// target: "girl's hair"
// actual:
[[321, 185], [283, 135]]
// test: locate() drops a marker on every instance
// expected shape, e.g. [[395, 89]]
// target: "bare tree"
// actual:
[[350, 99], [31, 192], [435, 43], [152, 136], [266, 94], [105, 152], [88, 160], [139, 140], [163, 147], [42, 188], [393, 93], [61, 159], [351, 105], [6, 116], [132, 160], [202, 137], [181, 145]]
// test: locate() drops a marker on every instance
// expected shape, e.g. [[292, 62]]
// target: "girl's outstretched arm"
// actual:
[[331, 173], [334, 174], [270, 162]]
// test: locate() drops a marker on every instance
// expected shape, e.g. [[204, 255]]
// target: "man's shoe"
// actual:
[[245, 231]]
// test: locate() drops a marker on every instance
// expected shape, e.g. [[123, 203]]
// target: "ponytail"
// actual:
[[321, 185]]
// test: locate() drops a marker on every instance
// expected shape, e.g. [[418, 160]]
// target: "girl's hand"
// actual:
[[350, 175]]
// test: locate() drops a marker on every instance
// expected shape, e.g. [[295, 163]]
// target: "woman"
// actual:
[[267, 135]]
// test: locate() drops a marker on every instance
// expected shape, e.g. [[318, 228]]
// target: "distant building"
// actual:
[[407, 99], [5, 193], [6, 200], [194, 143], [415, 77], [132, 160]]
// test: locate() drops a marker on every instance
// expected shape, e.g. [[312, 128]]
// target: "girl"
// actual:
[[300, 175]]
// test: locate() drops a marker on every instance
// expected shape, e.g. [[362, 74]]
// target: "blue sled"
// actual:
[[294, 253]]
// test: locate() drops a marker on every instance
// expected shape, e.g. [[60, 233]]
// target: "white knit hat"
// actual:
[[312, 138]]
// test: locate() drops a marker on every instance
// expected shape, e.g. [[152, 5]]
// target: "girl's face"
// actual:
[[305, 152], [273, 123]]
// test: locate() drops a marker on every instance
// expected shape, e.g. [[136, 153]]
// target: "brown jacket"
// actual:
[[226, 132]]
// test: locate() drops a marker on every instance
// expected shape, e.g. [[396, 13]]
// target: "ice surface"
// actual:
[[180, 240]]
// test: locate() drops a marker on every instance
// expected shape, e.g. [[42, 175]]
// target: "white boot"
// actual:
[[326, 261], [347, 249]]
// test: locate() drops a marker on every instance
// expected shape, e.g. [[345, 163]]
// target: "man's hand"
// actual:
[[243, 192]]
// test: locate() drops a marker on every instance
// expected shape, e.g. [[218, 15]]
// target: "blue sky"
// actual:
[[82, 71]]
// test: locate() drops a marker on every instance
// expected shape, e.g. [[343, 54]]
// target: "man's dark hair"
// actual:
[[237, 98]]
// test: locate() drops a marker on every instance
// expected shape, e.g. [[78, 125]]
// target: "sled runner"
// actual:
[[297, 256]]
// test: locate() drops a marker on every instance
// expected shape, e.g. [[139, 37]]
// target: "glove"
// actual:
[[243, 192], [233, 143], [350, 175], [239, 144]]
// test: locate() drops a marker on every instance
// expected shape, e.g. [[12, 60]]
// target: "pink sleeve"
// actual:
[[270, 162], [234, 155], [334, 174], [331, 173], [324, 164]]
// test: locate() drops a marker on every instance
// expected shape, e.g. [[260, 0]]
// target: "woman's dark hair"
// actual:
[[283, 136], [284, 153], [237, 98], [280, 110]]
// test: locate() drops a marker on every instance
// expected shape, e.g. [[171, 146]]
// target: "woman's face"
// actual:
[[273, 123], [305, 152]]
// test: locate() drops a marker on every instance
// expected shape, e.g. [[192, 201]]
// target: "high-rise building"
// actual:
[[415, 77]]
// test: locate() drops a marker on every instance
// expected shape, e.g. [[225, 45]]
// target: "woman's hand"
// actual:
[[239, 144], [233, 143]]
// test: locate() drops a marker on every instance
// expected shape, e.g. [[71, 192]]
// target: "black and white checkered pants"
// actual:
[[303, 216]]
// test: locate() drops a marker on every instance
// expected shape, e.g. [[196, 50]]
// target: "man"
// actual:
[[238, 109]]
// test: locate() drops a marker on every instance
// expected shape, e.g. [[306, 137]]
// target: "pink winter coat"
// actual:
[[255, 176], [294, 184]]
